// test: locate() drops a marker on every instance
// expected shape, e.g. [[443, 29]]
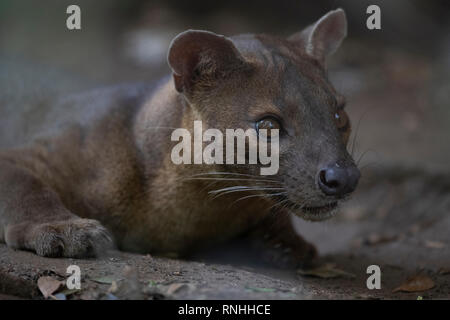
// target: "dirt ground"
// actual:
[[386, 224]]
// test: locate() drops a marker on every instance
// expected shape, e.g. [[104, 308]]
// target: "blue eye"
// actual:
[[268, 124]]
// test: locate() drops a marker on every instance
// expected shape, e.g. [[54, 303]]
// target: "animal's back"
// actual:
[[35, 101]]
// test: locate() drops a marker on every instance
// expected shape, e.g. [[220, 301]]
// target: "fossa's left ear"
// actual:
[[322, 38], [200, 58]]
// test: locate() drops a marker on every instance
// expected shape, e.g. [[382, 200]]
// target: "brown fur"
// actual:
[[60, 195]]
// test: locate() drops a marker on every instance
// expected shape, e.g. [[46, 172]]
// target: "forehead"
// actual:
[[285, 71]]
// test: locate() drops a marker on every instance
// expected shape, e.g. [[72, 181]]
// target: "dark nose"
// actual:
[[335, 180]]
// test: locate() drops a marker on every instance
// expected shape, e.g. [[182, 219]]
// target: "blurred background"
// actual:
[[397, 79]]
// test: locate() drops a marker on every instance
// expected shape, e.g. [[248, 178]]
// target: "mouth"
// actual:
[[313, 213], [319, 213]]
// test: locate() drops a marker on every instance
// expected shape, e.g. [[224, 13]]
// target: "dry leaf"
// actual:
[[175, 287], [416, 283], [48, 285], [420, 226], [444, 271], [113, 288], [434, 244], [326, 271], [375, 239], [105, 280]]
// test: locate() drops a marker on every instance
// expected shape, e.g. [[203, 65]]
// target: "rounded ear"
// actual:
[[201, 56], [322, 38]]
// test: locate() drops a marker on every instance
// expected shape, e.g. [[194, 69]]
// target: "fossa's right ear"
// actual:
[[201, 57], [322, 38]]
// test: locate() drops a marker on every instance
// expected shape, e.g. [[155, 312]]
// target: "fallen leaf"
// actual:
[[444, 271], [420, 226], [113, 288], [175, 287], [416, 283], [434, 244], [326, 271], [105, 280], [375, 239], [48, 285]]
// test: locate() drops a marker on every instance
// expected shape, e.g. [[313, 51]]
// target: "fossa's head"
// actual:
[[261, 81]]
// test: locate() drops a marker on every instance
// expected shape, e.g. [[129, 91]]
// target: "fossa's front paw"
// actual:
[[74, 238]]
